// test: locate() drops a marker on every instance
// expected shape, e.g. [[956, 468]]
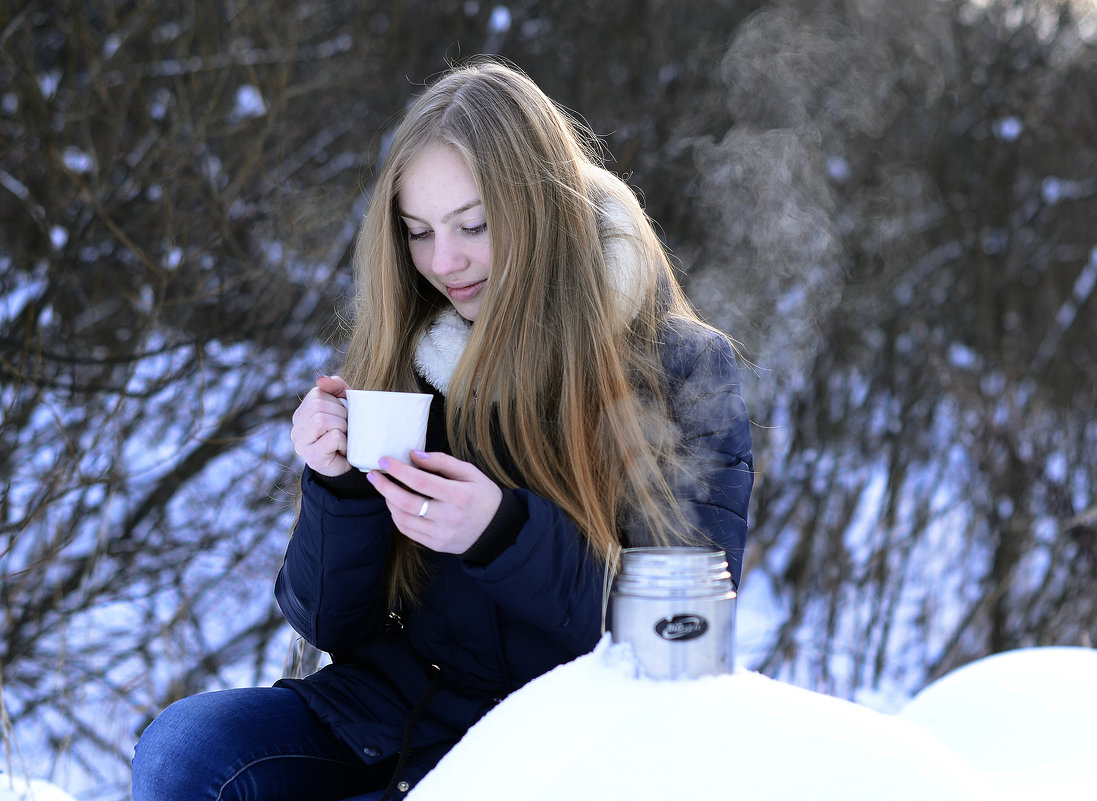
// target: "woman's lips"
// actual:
[[465, 292]]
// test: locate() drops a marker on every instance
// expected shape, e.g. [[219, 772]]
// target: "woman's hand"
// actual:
[[460, 500], [319, 430]]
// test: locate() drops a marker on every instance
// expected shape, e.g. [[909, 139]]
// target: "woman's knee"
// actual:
[[257, 742], [187, 748]]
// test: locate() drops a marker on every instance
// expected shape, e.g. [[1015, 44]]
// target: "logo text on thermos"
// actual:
[[681, 627]]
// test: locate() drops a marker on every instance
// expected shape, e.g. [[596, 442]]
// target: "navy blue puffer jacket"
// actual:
[[488, 623]]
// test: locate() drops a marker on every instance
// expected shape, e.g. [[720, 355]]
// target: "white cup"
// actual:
[[384, 424]]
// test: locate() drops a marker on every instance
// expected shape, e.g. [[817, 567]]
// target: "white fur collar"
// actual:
[[441, 347]]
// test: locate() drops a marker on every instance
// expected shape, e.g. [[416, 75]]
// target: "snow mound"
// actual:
[[1026, 718], [593, 728]]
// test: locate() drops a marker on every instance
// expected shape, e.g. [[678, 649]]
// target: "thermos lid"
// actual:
[[674, 572]]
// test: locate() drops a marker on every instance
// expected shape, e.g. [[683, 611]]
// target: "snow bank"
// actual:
[[1027, 719], [594, 729]]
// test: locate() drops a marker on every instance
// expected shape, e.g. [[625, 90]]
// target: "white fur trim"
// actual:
[[440, 349], [627, 274]]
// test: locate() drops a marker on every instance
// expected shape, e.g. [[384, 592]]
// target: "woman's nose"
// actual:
[[448, 257]]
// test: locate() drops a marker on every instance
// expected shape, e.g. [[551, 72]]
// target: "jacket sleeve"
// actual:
[[716, 473], [331, 587], [548, 577]]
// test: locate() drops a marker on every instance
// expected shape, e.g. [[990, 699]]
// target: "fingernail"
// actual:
[[421, 454], [383, 463], [371, 477]]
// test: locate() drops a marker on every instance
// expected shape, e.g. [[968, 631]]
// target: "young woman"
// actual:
[[580, 407]]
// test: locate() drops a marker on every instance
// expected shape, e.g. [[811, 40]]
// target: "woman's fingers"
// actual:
[[319, 431], [461, 500], [332, 385], [400, 500], [422, 479], [328, 454]]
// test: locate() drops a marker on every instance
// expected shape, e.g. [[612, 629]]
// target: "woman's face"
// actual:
[[447, 232]]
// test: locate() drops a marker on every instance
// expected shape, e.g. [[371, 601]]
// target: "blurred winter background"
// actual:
[[890, 203]]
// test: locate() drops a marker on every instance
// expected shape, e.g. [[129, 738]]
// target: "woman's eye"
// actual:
[[476, 230], [415, 236]]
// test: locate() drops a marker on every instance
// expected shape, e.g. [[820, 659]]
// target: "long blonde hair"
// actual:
[[563, 360]]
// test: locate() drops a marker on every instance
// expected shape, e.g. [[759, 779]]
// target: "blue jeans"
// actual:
[[254, 744]]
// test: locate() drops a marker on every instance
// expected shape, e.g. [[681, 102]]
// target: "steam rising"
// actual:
[[806, 94]]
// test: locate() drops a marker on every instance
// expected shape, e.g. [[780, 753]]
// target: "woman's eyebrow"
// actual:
[[459, 210]]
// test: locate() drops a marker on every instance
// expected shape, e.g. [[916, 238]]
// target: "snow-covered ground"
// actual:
[[15, 789], [1017, 725]]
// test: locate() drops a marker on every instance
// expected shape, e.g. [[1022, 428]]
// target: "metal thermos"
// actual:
[[676, 607]]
